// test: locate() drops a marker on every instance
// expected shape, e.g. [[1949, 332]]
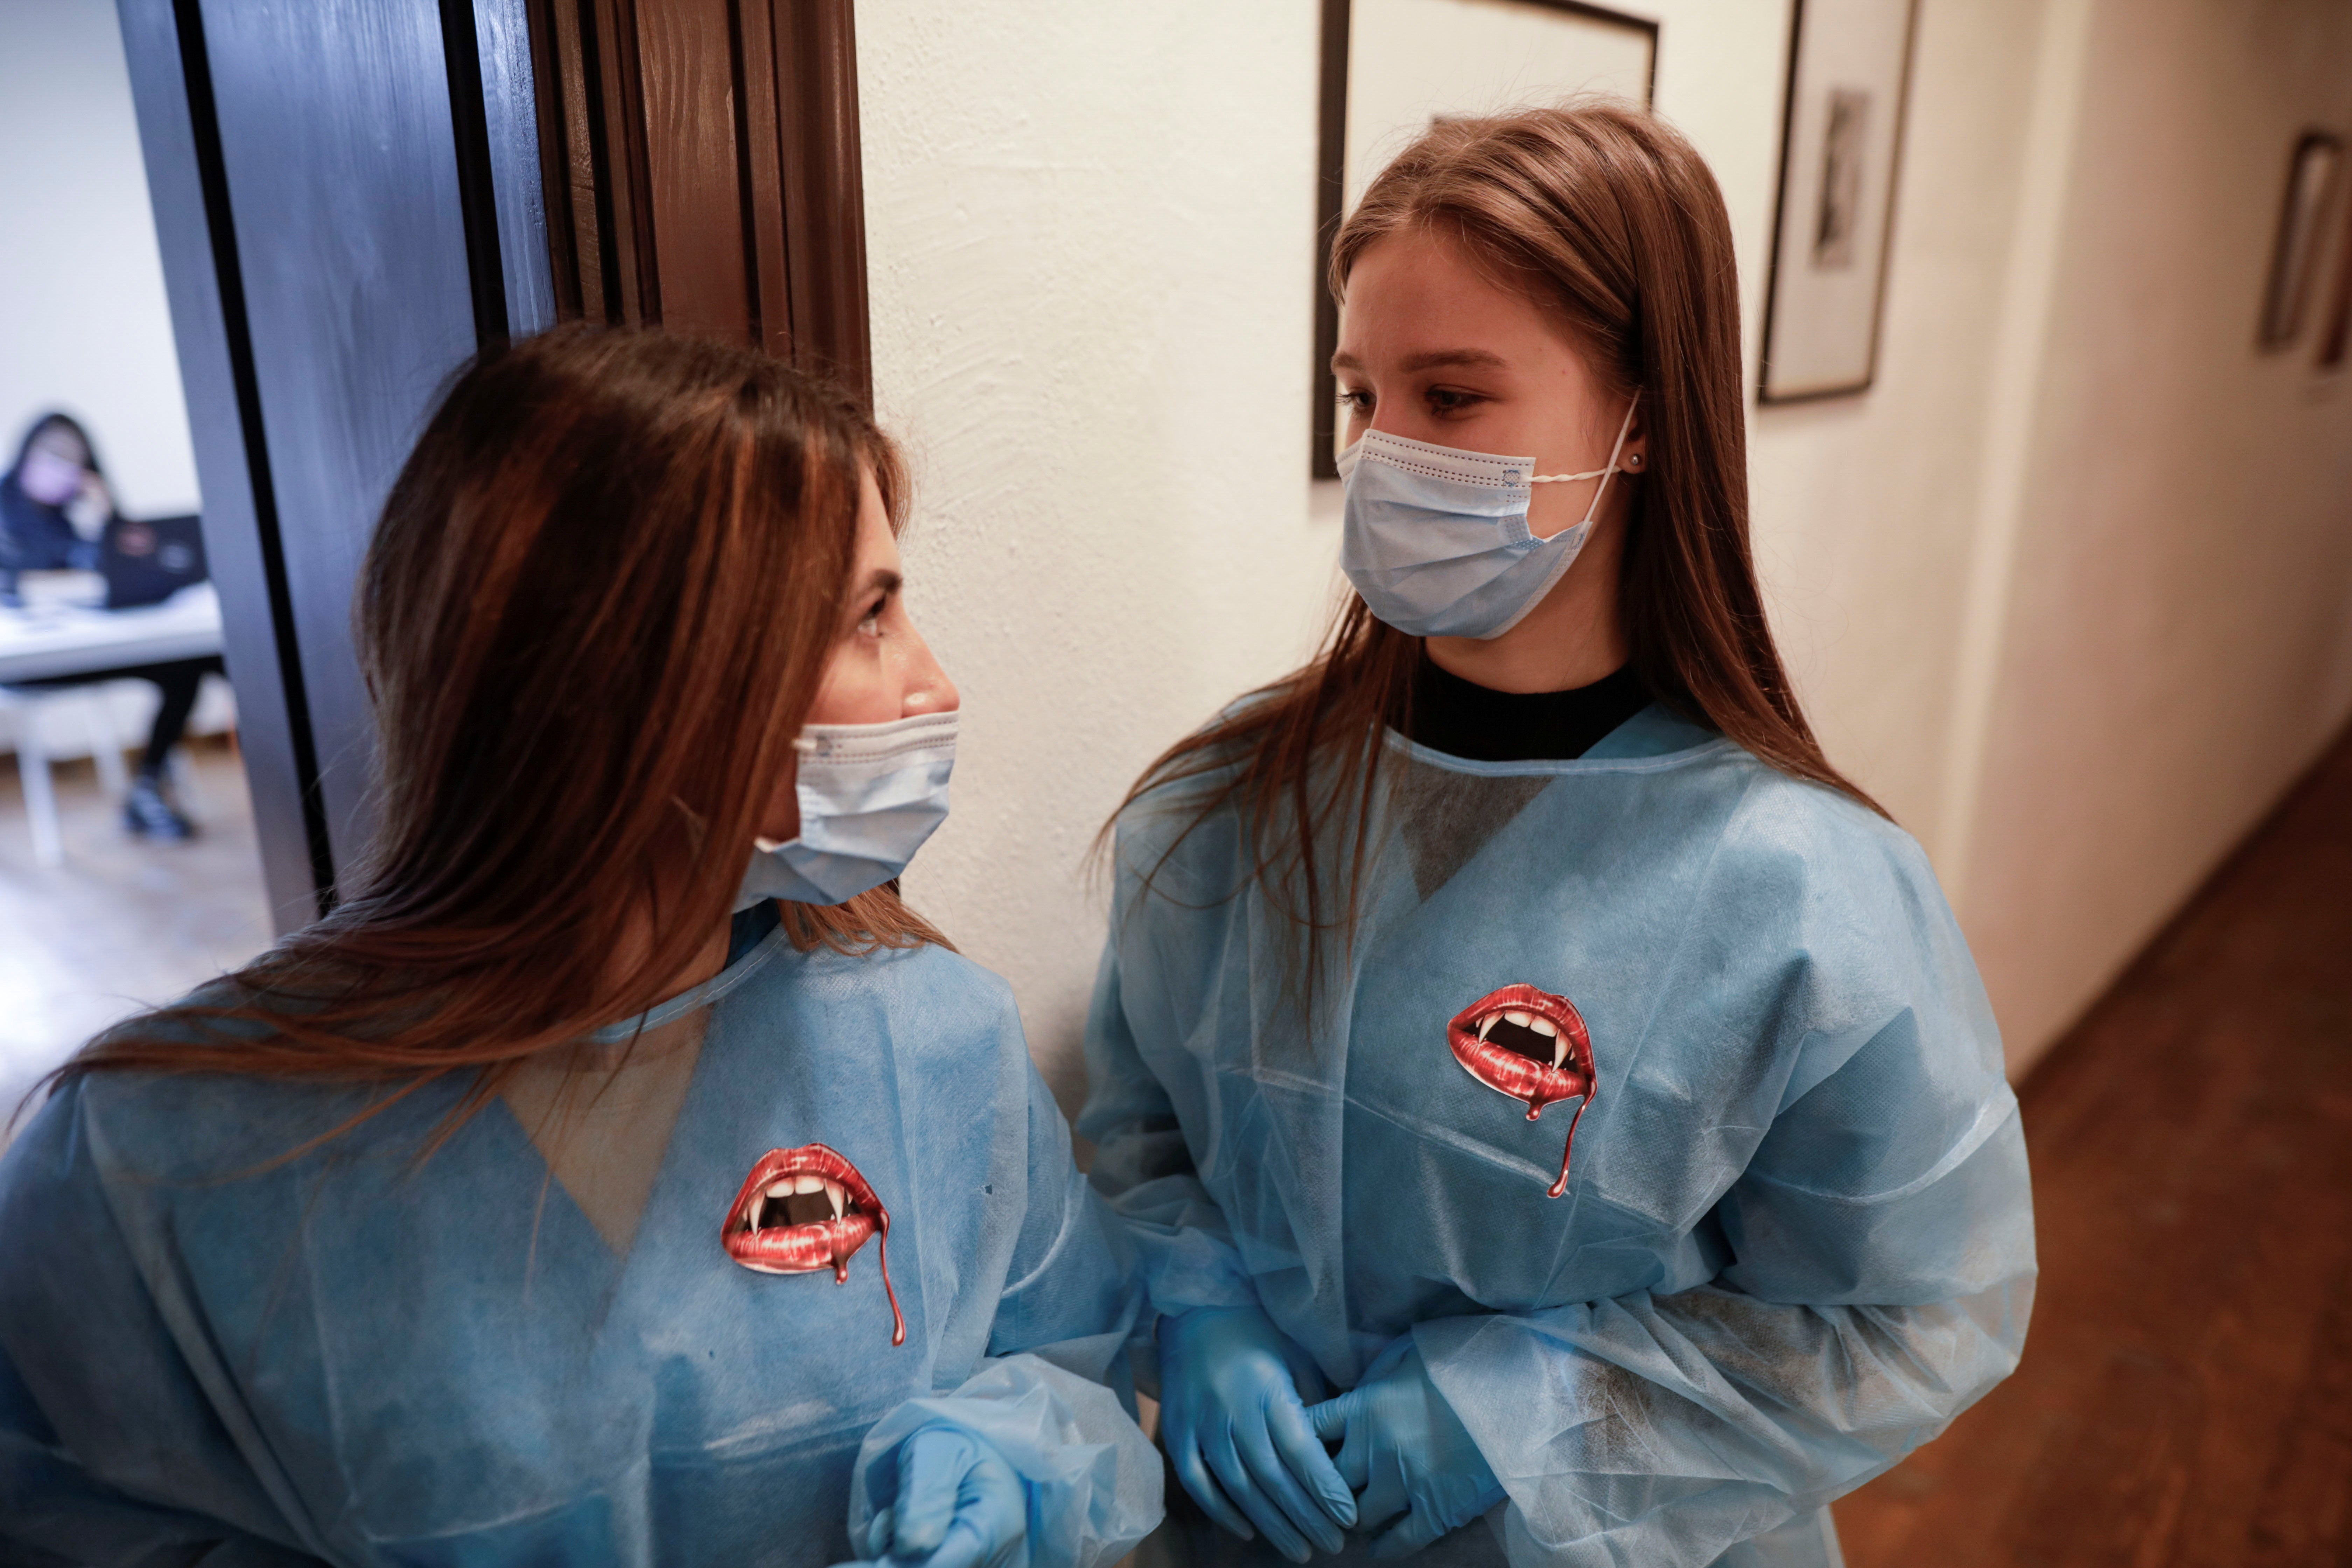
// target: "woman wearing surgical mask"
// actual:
[[53, 500], [564, 1197], [1528, 1067]]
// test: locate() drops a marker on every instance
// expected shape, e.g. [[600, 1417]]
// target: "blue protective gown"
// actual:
[[351, 1357], [1796, 1238]]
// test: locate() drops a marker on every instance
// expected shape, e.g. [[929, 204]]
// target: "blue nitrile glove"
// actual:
[[1233, 1417], [959, 1505], [1401, 1447]]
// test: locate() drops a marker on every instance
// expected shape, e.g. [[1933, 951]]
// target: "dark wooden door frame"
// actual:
[[179, 133], [702, 173], [325, 278]]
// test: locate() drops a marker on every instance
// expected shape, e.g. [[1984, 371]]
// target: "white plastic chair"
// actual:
[[34, 707]]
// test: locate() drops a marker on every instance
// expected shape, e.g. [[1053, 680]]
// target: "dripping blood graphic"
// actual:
[[805, 1209], [1532, 1046]]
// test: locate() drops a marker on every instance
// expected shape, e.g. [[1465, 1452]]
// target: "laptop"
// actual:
[[146, 561]]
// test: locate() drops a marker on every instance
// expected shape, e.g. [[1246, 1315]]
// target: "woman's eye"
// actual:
[[870, 624], [1443, 400], [1356, 401]]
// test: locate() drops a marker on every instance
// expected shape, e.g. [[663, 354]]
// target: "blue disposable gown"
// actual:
[[1796, 1237], [349, 1357]]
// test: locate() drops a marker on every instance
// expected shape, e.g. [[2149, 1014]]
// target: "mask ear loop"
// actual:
[[1604, 475], [802, 747]]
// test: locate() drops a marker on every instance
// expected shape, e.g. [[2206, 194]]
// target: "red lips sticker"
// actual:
[[1532, 1046], [808, 1208]]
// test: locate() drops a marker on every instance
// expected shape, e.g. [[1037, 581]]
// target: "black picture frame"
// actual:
[[1331, 183], [1775, 286]]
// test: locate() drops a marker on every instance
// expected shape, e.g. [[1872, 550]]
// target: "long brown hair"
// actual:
[[1609, 219], [593, 615]]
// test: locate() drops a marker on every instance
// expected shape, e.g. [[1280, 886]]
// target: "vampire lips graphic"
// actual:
[[808, 1208], [1532, 1046]]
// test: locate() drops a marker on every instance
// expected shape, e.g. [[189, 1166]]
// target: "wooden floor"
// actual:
[[2186, 1396], [123, 923]]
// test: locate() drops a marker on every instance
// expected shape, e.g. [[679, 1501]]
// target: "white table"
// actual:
[[61, 630]]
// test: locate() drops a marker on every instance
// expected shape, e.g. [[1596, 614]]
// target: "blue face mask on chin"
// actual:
[[869, 795], [1437, 540]]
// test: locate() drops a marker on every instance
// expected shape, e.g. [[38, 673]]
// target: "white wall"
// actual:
[[83, 322], [1091, 238], [1092, 293]]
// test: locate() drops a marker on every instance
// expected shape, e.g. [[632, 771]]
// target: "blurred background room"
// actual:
[[2047, 302], [127, 863]]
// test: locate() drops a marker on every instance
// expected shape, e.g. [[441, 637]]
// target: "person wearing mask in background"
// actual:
[[1512, 1019], [564, 1197], [54, 508]]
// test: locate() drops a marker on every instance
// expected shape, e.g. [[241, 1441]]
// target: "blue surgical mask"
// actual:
[[869, 795], [1436, 541]]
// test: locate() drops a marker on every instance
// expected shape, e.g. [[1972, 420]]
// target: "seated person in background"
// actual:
[[54, 507], [622, 1173], [54, 500]]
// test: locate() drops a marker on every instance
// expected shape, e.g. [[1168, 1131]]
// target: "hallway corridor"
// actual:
[[2185, 1396]]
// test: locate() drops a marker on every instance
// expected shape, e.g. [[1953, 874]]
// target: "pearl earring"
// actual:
[[1632, 459]]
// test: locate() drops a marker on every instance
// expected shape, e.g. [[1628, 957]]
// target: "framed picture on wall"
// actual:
[[1841, 140], [2296, 253], [1391, 66]]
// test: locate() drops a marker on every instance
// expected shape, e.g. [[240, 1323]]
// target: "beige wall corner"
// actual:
[[2018, 336], [2169, 649]]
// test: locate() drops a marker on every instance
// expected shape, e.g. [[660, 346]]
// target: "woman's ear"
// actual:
[[1634, 455]]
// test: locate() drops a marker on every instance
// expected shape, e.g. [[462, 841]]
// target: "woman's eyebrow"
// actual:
[[1480, 359], [1435, 358], [882, 580]]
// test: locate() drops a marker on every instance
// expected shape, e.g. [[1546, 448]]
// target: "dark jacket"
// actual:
[[37, 538]]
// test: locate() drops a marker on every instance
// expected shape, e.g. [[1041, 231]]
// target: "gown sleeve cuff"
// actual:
[[1543, 1411], [1092, 1476]]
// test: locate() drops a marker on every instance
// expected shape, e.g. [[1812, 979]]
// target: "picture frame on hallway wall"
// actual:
[[1391, 66], [2313, 170], [1832, 230]]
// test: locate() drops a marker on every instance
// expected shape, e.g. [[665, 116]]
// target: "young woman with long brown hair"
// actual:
[[533, 1207], [1512, 1018]]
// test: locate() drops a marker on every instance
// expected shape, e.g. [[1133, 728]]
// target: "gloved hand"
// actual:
[[1231, 1408], [959, 1505], [1401, 1447]]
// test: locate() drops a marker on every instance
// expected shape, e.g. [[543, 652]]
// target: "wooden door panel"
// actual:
[[689, 58], [702, 171]]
